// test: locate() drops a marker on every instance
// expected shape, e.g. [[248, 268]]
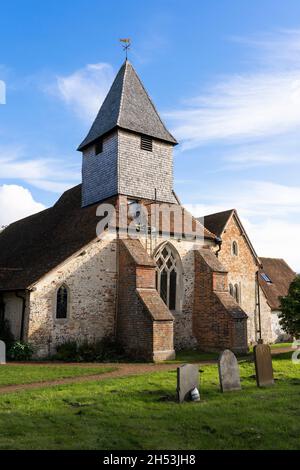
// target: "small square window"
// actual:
[[146, 143], [99, 147]]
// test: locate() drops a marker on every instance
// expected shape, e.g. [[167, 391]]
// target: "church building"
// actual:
[[166, 283]]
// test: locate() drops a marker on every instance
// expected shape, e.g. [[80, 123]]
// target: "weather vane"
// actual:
[[126, 45]]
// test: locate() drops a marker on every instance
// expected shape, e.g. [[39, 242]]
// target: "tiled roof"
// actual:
[[280, 275], [33, 246], [128, 106], [216, 223]]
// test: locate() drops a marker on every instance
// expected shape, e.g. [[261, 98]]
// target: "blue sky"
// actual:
[[225, 75]]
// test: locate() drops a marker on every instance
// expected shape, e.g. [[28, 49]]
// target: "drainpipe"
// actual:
[[23, 298], [218, 240], [260, 340], [118, 229], [117, 285]]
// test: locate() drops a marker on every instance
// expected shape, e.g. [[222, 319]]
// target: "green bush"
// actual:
[[20, 351], [105, 350], [290, 310], [110, 350], [66, 351], [88, 352]]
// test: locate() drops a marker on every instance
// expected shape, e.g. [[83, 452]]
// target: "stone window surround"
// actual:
[[61, 320], [234, 248], [180, 273], [235, 291]]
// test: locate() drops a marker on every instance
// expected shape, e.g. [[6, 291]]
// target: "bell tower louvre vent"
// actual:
[[99, 146], [146, 143]]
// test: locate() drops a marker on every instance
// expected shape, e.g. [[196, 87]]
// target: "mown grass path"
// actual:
[[85, 375], [19, 376]]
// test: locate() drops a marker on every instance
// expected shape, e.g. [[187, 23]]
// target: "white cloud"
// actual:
[[276, 50], [253, 198], [2, 92], [276, 238], [85, 89], [253, 120], [261, 198], [270, 213], [272, 237], [247, 107], [51, 174], [277, 151], [16, 202], [241, 108]]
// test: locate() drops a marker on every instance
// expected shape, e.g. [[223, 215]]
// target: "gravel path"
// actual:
[[123, 370]]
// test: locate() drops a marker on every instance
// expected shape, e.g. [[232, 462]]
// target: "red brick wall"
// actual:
[[144, 324], [145, 277], [218, 322]]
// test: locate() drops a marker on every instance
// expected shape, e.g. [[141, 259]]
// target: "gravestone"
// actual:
[[229, 373], [2, 352], [263, 365], [187, 380]]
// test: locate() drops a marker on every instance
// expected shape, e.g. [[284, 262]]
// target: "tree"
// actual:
[[290, 309]]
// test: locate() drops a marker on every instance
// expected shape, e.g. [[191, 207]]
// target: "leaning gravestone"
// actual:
[[263, 365], [2, 352], [229, 373], [187, 381]]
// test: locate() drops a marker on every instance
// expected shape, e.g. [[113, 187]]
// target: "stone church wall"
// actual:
[[278, 334], [268, 334], [242, 271], [90, 277]]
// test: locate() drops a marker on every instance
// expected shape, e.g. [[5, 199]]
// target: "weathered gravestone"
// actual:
[[2, 352], [187, 380], [263, 365], [229, 373]]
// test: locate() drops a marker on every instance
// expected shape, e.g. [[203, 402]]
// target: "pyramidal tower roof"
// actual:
[[128, 106]]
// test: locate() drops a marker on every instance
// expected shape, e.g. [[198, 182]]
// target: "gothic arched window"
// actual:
[[237, 293], [62, 298], [168, 276], [235, 249]]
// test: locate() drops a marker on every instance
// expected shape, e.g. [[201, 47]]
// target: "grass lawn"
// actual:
[[281, 345], [141, 413], [24, 374], [191, 356]]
